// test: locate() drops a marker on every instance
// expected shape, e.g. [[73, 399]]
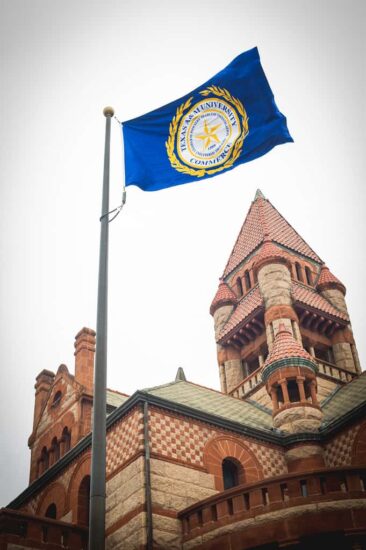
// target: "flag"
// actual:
[[229, 120]]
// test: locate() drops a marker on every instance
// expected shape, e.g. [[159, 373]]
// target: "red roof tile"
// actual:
[[269, 251], [328, 280], [285, 346], [224, 295], [311, 298], [263, 218], [249, 303]]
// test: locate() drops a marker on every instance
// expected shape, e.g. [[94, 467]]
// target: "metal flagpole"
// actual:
[[98, 466]]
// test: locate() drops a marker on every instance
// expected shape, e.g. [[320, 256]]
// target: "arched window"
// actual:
[[279, 392], [56, 399], [308, 275], [83, 501], [51, 511], [65, 440], [55, 450], [230, 473], [298, 271], [44, 460], [293, 391], [239, 286], [248, 283]]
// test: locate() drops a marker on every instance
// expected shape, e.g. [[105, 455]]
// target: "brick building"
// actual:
[[276, 459]]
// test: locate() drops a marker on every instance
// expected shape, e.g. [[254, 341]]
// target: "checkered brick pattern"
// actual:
[[271, 459], [177, 438], [339, 451], [124, 440], [183, 440]]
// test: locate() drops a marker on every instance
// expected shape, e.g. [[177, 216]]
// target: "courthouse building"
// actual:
[[276, 459]]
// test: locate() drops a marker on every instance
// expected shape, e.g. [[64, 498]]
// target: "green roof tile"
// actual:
[[213, 402], [344, 400]]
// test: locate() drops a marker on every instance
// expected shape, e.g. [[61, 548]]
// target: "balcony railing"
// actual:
[[282, 492], [249, 383], [34, 531], [334, 372]]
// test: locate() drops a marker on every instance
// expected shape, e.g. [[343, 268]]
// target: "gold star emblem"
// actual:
[[209, 134]]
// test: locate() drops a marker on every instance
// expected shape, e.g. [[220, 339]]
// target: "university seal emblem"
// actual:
[[208, 136]]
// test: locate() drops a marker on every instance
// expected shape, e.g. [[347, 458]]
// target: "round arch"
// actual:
[[54, 494], [82, 470], [227, 447]]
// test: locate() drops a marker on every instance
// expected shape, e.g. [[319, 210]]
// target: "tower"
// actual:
[[277, 296]]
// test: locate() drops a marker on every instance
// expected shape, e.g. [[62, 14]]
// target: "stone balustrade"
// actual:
[[27, 531], [272, 496], [247, 385], [335, 372], [251, 382]]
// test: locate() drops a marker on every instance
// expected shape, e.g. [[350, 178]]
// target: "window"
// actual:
[[83, 501], [239, 286], [253, 365], [308, 276], [51, 511], [298, 271], [280, 398], [55, 450], [293, 391], [230, 473], [56, 399], [65, 440], [248, 283], [44, 460]]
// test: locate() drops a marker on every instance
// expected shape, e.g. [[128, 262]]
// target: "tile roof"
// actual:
[[115, 398], [269, 251], [214, 402], [327, 279], [263, 218], [224, 295], [285, 346], [348, 397], [312, 298], [248, 304]]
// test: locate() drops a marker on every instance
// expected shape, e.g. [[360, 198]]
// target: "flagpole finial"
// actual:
[[108, 111]]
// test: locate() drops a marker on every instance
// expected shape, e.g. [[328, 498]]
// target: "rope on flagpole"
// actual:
[[124, 194]]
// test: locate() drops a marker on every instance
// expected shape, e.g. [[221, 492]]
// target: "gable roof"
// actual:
[[264, 219]]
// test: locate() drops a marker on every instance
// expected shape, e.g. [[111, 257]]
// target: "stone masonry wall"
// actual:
[[275, 285], [125, 505]]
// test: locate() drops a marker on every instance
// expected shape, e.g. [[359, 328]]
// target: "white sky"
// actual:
[[61, 63]]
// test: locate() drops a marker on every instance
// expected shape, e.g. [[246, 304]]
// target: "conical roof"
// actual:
[[223, 296], [287, 352], [263, 219], [328, 280]]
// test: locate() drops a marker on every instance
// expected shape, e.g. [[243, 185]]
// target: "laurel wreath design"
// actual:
[[173, 128]]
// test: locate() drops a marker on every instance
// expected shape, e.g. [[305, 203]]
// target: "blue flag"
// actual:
[[229, 120]]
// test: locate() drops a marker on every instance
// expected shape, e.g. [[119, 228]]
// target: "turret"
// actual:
[[343, 344], [290, 377], [221, 308]]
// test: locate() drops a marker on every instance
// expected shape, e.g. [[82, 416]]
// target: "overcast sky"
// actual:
[[61, 63]]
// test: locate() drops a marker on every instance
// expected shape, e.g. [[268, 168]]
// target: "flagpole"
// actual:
[[98, 465]]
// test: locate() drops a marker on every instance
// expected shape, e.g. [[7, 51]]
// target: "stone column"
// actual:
[[314, 398], [274, 399], [286, 397], [300, 385]]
